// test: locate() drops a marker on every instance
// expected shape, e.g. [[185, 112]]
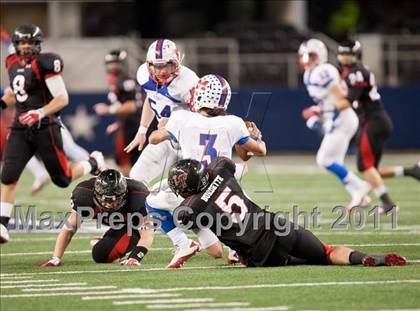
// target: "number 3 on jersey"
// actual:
[[210, 153]]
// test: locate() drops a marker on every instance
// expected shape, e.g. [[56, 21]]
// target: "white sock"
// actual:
[[37, 168], [379, 191], [178, 237], [87, 167], [6, 209], [399, 171], [353, 183]]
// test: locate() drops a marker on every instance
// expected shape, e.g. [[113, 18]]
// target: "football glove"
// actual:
[[53, 262], [313, 123], [310, 112], [31, 117], [135, 257]]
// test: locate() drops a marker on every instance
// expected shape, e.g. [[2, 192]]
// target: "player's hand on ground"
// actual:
[[31, 117], [112, 128], [130, 262], [101, 109], [310, 112], [53, 262], [253, 129], [138, 140]]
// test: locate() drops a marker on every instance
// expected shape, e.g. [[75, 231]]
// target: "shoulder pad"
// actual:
[[143, 74], [50, 64]]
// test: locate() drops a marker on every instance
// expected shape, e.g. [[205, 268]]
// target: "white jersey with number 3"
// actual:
[[174, 96], [205, 138]]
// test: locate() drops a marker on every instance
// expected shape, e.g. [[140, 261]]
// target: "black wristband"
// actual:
[[138, 253], [3, 104]]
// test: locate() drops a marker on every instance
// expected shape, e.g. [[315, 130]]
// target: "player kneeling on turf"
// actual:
[[214, 199], [109, 197]]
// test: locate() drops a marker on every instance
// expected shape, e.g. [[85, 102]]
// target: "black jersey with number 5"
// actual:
[[27, 80], [237, 221]]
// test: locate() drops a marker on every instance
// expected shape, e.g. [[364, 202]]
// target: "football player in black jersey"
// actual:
[[102, 198], [214, 199], [375, 123], [39, 94], [125, 103]]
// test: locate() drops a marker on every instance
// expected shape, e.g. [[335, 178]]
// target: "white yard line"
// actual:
[[58, 289], [109, 297], [277, 308], [5, 278], [161, 301], [30, 295], [197, 305], [42, 285], [27, 281]]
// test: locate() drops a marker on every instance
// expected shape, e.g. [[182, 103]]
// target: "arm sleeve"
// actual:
[[50, 64], [56, 85]]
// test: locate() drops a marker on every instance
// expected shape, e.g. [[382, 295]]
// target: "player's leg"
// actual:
[[17, 153], [373, 137], [153, 161], [50, 148], [400, 171], [41, 176], [160, 203], [313, 251], [114, 245], [331, 155], [72, 150]]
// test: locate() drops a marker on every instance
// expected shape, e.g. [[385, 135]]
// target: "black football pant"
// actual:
[[47, 143], [114, 245], [372, 136]]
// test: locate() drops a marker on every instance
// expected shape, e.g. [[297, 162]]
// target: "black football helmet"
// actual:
[[31, 33], [187, 177], [110, 190], [119, 56], [351, 47]]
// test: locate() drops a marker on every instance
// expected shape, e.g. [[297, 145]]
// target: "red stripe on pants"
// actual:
[[368, 158], [60, 155], [120, 248]]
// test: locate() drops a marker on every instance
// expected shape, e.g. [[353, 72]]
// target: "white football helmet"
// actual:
[[312, 46], [163, 61], [211, 91]]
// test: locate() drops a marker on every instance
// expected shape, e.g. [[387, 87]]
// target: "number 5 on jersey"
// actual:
[[227, 205]]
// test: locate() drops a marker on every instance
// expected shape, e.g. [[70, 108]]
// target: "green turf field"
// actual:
[[205, 283]]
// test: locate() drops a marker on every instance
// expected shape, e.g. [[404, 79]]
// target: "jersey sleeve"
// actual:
[[136, 198], [175, 123], [239, 131], [82, 198], [325, 76], [50, 64], [357, 82], [127, 89]]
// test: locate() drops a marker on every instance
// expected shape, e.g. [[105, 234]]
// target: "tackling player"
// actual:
[[167, 84], [374, 122], [215, 200], [39, 93], [333, 115], [106, 196], [204, 135]]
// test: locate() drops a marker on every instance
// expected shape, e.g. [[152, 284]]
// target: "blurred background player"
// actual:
[[374, 122], [203, 135], [333, 115], [168, 86], [123, 98], [39, 94], [108, 193]]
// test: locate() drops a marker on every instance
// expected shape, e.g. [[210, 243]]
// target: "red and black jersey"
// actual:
[[362, 90], [123, 88], [252, 233], [27, 80], [82, 197]]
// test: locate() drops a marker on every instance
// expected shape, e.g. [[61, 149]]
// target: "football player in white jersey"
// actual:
[[333, 115], [168, 86], [204, 135]]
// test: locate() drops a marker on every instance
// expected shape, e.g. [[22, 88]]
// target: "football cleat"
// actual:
[[360, 198], [413, 171], [182, 254], [387, 208], [391, 259], [99, 162], [4, 234], [233, 258]]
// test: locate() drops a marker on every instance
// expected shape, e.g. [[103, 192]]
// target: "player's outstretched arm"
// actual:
[[147, 116], [255, 145], [142, 247], [158, 136], [63, 240]]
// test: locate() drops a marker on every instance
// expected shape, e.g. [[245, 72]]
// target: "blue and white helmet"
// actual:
[[313, 46], [163, 60], [211, 91]]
